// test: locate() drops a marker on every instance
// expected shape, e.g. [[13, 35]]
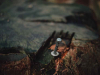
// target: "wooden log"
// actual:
[[14, 63]]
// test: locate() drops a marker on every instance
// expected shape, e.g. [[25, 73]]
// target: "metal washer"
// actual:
[[52, 53]]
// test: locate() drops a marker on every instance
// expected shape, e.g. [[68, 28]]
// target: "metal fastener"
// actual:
[[55, 53]]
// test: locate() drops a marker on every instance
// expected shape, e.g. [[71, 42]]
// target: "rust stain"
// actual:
[[63, 49]]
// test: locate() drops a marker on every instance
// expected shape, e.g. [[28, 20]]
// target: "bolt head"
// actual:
[[59, 39]]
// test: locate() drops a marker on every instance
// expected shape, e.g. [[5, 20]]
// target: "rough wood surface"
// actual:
[[21, 67], [83, 56], [82, 60]]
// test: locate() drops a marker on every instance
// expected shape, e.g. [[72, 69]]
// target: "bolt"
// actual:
[[55, 53]]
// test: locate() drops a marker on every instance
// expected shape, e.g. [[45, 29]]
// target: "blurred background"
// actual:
[[93, 4]]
